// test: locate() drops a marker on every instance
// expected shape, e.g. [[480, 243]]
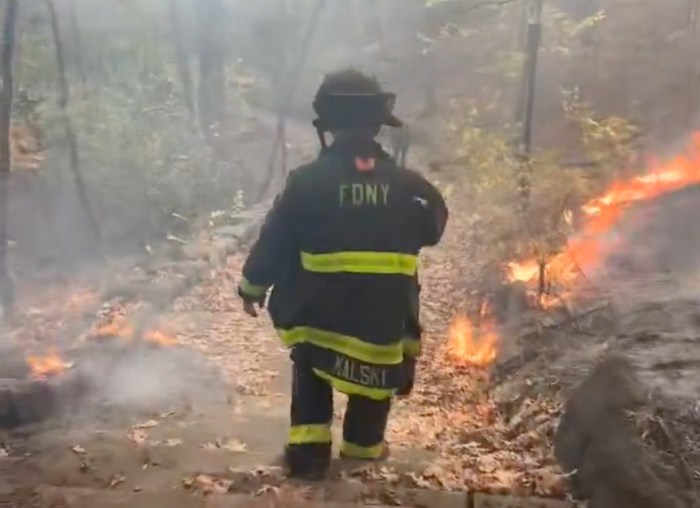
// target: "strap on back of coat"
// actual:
[[349, 388], [389, 263], [353, 347]]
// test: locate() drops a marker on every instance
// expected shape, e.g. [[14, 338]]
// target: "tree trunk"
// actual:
[[212, 63], [288, 97], [71, 139], [183, 66], [357, 24], [8, 49], [77, 44], [283, 72]]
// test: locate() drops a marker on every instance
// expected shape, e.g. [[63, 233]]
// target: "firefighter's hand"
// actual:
[[249, 307]]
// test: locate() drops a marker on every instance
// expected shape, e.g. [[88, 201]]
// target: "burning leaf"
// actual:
[[43, 367], [159, 338], [115, 327]]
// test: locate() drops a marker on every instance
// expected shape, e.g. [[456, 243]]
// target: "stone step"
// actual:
[[495, 501]]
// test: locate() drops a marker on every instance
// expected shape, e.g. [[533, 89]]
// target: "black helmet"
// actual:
[[349, 99]]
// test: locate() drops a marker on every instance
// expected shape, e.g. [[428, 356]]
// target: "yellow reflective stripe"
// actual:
[[251, 289], [411, 347], [361, 262], [349, 346], [354, 451], [305, 434], [349, 388]]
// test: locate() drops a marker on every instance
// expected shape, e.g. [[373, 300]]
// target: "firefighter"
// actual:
[[339, 248]]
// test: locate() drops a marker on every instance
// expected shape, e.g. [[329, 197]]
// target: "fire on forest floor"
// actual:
[[454, 411], [114, 325], [594, 242], [45, 366]]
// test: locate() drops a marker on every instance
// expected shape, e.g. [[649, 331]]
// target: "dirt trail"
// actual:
[[165, 430], [224, 434]]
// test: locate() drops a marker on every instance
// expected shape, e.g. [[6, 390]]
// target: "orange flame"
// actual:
[[116, 327], [119, 327], [43, 367], [604, 212], [472, 345], [159, 338]]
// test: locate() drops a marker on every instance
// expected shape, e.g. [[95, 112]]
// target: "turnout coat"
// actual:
[[340, 250]]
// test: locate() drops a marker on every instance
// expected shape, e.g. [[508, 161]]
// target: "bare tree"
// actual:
[[212, 62], [287, 97], [183, 66], [283, 65], [8, 50], [77, 43], [71, 138]]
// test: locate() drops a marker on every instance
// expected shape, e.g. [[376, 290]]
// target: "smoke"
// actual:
[[653, 278], [133, 378], [660, 237]]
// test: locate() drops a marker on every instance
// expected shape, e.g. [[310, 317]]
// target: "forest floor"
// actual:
[[187, 399], [200, 418]]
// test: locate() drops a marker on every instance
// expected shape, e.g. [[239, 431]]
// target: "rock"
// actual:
[[422, 498], [70, 497], [25, 401], [602, 437], [14, 362]]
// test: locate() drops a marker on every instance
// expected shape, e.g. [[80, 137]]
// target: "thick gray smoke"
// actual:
[[660, 237], [136, 378]]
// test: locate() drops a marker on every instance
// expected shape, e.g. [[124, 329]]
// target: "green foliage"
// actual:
[[141, 157], [608, 141], [561, 30], [492, 169]]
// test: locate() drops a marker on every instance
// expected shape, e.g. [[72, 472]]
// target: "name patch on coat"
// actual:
[[363, 194], [358, 373]]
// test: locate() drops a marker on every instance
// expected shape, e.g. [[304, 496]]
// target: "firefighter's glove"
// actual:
[[253, 297], [409, 376]]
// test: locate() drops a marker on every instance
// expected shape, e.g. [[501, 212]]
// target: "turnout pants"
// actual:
[[309, 445]]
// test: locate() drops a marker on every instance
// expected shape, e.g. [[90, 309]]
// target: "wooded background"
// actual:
[[128, 115]]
